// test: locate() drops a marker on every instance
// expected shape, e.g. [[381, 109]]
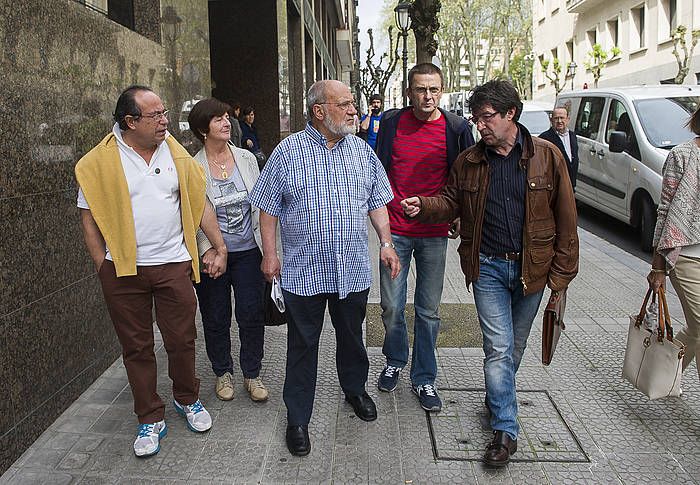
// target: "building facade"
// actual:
[[63, 64], [641, 29]]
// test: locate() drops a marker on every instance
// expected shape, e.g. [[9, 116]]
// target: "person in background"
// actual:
[[231, 173], [565, 140], [236, 132], [677, 236], [249, 136], [369, 124]]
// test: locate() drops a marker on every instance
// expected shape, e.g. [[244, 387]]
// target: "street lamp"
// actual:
[[171, 32], [571, 71], [403, 21]]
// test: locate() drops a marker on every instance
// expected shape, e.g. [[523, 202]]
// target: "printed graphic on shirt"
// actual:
[[231, 199]]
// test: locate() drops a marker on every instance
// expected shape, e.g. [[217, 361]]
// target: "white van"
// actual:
[[535, 116], [624, 135]]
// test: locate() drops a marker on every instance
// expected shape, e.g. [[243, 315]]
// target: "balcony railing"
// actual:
[[580, 6]]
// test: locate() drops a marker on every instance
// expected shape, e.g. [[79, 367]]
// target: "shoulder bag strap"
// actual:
[[667, 316], [642, 312]]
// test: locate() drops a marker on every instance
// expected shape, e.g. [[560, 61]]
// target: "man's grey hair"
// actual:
[[316, 95]]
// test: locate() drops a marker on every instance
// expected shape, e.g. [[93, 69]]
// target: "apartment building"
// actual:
[[568, 29]]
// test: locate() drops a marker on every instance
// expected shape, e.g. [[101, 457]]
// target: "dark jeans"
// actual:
[[304, 324], [244, 275]]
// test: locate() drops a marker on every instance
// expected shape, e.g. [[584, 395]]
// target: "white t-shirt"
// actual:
[[566, 141], [155, 203]]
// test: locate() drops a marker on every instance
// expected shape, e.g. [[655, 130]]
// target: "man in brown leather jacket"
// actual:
[[518, 235]]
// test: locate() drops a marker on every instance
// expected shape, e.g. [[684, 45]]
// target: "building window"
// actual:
[[637, 28], [592, 37], [570, 50], [122, 12], [613, 33], [667, 19], [554, 54]]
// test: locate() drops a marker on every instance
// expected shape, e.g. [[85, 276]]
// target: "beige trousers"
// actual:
[[685, 278]]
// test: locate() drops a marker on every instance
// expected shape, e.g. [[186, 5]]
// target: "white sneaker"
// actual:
[[148, 438], [198, 418]]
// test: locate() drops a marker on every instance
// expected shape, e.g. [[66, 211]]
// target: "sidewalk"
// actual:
[[581, 423]]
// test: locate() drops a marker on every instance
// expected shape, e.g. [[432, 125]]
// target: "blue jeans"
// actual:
[[244, 275], [429, 253], [506, 316]]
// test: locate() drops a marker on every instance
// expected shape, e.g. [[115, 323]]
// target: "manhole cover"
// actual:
[[461, 430]]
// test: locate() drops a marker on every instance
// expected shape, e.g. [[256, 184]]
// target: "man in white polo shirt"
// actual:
[[141, 202]]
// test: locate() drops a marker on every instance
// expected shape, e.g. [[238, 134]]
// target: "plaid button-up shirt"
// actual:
[[322, 196]]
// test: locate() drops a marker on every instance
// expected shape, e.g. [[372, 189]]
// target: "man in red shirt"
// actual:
[[417, 146]]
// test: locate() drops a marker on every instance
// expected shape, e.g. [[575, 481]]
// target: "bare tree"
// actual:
[[684, 61], [554, 75], [597, 60], [374, 77]]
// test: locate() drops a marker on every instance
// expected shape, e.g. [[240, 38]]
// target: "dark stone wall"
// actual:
[[62, 67], [245, 61]]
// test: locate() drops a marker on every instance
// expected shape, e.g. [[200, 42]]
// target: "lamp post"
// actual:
[[571, 71], [403, 21], [171, 32]]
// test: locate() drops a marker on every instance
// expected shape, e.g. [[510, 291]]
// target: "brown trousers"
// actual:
[[129, 300]]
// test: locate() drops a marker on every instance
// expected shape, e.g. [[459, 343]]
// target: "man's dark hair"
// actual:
[[202, 113], [246, 111], [424, 68], [376, 97], [500, 94], [126, 105]]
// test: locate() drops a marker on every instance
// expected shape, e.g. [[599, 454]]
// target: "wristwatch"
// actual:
[[386, 245]]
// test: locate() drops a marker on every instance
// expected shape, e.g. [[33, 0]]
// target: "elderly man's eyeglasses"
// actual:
[[157, 116], [483, 118], [346, 106]]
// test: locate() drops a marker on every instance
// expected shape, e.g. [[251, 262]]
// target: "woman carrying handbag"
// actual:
[[677, 236]]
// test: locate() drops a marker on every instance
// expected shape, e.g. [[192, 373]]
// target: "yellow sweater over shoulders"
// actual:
[[101, 177]]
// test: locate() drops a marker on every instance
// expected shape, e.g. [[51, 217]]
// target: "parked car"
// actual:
[[624, 135], [535, 116]]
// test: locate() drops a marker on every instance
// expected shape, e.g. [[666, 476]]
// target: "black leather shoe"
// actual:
[[500, 449], [298, 442], [363, 406]]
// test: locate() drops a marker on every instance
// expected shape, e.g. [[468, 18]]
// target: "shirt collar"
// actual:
[[317, 137], [566, 133]]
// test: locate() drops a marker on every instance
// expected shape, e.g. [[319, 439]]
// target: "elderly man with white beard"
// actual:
[[321, 184]]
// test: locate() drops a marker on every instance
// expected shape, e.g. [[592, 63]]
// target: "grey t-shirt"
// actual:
[[233, 212]]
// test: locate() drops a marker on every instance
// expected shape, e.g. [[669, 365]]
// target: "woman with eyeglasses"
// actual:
[[249, 136], [230, 173]]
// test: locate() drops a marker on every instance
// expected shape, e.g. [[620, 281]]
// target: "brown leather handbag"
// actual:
[[552, 324]]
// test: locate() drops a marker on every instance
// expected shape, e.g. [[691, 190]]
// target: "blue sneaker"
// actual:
[[148, 438], [198, 418], [428, 397], [388, 378]]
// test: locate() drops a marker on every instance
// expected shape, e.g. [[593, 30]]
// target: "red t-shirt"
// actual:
[[418, 167]]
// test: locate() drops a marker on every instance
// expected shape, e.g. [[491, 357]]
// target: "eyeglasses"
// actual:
[[422, 90], [344, 106], [483, 118], [157, 116]]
